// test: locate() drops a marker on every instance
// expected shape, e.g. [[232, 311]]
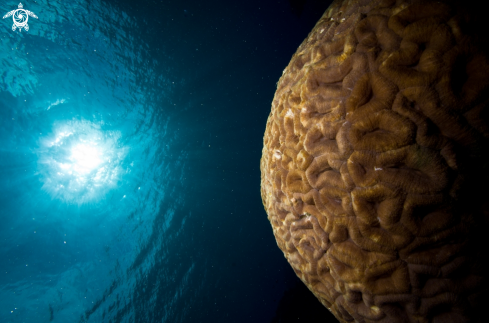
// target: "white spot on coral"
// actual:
[[277, 154], [289, 113], [375, 309], [342, 19], [377, 168], [321, 31]]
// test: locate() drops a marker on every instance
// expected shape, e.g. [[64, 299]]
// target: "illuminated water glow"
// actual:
[[85, 158], [79, 162]]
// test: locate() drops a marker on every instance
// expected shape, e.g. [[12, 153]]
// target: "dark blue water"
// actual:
[[130, 140]]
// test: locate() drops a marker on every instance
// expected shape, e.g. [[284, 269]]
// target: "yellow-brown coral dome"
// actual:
[[374, 165]]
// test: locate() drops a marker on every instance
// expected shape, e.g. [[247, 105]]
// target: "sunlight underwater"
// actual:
[[85, 164]]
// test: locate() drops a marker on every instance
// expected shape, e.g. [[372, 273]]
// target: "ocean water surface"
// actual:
[[85, 164], [130, 138]]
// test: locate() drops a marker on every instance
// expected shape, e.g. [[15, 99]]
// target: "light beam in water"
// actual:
[[79, 162]]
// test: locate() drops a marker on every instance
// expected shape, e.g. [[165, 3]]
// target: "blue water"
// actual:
[[130, 138]]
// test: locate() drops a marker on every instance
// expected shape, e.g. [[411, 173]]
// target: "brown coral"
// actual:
[[374, 163]]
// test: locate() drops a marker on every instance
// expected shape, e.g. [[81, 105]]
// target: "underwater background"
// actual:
[[130, 144]]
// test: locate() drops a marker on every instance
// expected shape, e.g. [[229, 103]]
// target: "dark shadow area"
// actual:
[[298, 304]]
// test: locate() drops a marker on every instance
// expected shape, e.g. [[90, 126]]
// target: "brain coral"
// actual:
[[374, 165]]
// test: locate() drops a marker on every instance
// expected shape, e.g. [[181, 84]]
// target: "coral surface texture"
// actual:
[[374, 169]]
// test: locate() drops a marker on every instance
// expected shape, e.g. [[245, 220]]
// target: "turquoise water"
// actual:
[[85, 159], [130, 139]]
